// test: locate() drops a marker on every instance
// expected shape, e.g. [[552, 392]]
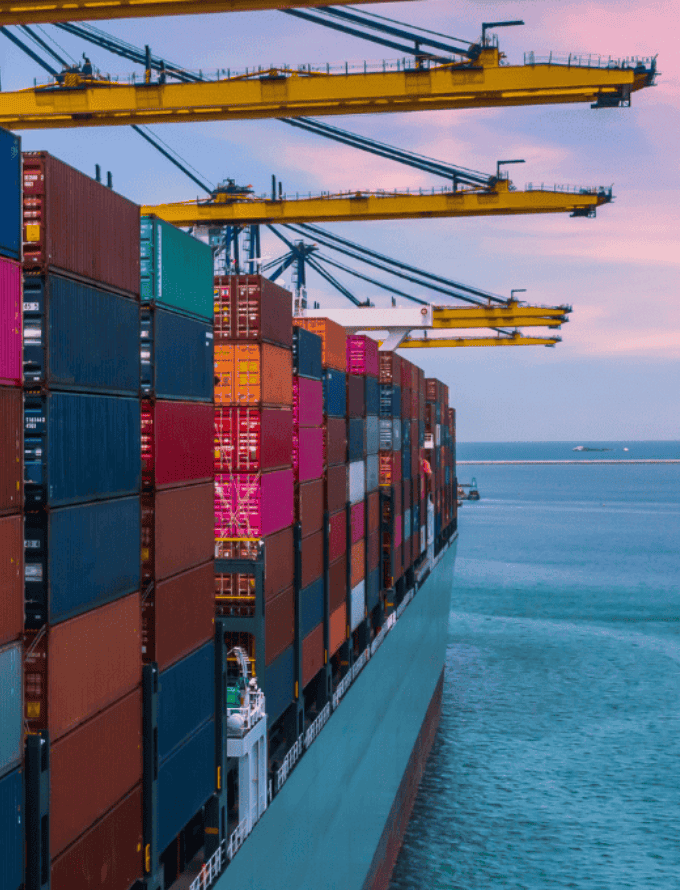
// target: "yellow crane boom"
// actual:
[[283, 93], [516, 339]]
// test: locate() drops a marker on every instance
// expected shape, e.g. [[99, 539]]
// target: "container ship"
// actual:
[[227, 538]]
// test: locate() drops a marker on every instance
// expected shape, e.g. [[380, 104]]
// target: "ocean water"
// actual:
[[557, 760]]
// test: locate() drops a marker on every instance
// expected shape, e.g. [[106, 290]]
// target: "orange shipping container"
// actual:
[[358, 571], [333, 337], [337, 629], [312, 654], [253, 374]]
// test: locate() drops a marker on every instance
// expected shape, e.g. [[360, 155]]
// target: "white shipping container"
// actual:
[[358, 604], [372, 472], [356, 482]]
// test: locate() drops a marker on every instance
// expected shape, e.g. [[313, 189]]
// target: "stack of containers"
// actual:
[[417, 376], [390, 467], [254, 479], [437, 421], [407, 477], [336, 485], [11, 520], [82, 521]]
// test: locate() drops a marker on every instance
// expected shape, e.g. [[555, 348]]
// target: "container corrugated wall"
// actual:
[[11, 456], [177, 530], [11, 707], [11, 578], [10, 322], [177, 356], [10, 195], [186, 698], [177, 443], [12, 830], [279, 682]]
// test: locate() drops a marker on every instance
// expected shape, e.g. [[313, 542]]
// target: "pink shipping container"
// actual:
[[308, 454], [307, 402], [252, 439], [357, 521], [11, 357], [398, 530], [177, 443], [363, 355], [252, 505]]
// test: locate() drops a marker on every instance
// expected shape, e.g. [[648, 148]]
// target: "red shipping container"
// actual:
[[390, 368], [178, 616], [11, 355], [336, 488], [11, 449], [358, 569], [309, 498], [358, 521], [337, 629], [373, 511], [308, 454], [405, 404], [279, 621], [312, 559], [405, 374], [92, 768], [356, 396], [250, 505], [333, 340], [11, 578], [337, 535], [109, 856], [78, 226], [431, 389], [312, 654], [390, 468], [415, 398], [177, 443], [335, 441], [177, 530], [337, 582], [373, 551], [252, 439], [363, 355], [307, 402], [250, 307], [81, 666]]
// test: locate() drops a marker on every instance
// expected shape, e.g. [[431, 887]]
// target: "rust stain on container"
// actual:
[[279, 621], [177, 530], [333, 338], [338, 582], [312, 654], [11, 426], [253, 374], [312, 558], [11, 578]]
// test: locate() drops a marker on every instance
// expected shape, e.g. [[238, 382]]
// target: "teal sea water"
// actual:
[[557, 761]]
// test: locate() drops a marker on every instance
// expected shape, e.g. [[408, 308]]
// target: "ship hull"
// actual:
[[339, 820]]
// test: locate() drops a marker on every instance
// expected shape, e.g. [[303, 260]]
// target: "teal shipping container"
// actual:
[[176, 269]]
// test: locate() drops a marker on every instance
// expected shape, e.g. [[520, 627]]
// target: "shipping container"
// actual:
[[251, 505], [10, 321], [176, 269], [336, 487], [81, 666], [186, 780], [177, 443], [12, 822], [94, 767], [186, 698], [307, 402], [80, 336], [78, 226], [10, 195], [337, 535], [390, 434], [372, 396], [177, 360], [308, 454], [307, 349], [250, 307], [311, 606], [279, 619], [390, 368], [80, 448], [358, 566], [372, 472], [253, 374], [373, 511], [109, 855], [390, 401], [337, 583], [357, 605], [358, 521], [356, 397], [311, 558], [337, 629], [372, 434], [356, 439], [309, 504], [390, 468], [77, 558], [177, 530], [335, 393], [11, 578], [278, 564], [362, 355], [373, 552], [252, 439], [312, 654], [178, 616], [356, 482], [373, 589], [11, 449], [334, 340], [11, 707], [279, 684], [335, 441]]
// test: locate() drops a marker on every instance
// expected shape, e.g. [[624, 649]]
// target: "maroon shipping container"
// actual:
[[81, 666], [177, 443], [109, 856], [373, 551], [405, 374], [415, 398], [11, 578], [178, 616], [336, 488], [279, 621], [390, 368], [337, 582], [309, 499], [358, 521], [431, 389], [252, 439], [335, 441], [337, 535], [11, 442], [373, 511], [312, 654], [312, 558], [307, 402], [177, 530], [278, 562], [415, 545], [308, 454], [11, 355], [250, 307], [356, 396], [405, 405], [92, 768], [78, 226]]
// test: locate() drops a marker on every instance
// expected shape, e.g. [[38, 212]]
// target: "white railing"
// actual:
[[252, 713], [590, 60], [316, 727], [568, 189], [343, 686], [211, 870], [289, 761], [238, 835]]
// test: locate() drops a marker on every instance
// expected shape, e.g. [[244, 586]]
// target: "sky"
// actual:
[[616, 373]]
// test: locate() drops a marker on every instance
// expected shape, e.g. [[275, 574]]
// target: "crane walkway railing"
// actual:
[[569, 189], [590, 60]]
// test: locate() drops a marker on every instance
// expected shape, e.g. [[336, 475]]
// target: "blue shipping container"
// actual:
[[79, 337], [372, 434], [390, 400], [372, 395], [311, 606], [12, 830], [335, 393], [279, 679], [80, 448], [11, 706], [10, 195], [356, 439], [373, 589], [176, 356], [186, 780], [186, 698], [80, 557], [307, 354]]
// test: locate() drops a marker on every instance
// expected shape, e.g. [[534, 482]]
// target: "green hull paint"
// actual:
[[322, 829]]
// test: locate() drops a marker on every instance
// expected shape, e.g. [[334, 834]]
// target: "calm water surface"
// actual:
[[557, 761]]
